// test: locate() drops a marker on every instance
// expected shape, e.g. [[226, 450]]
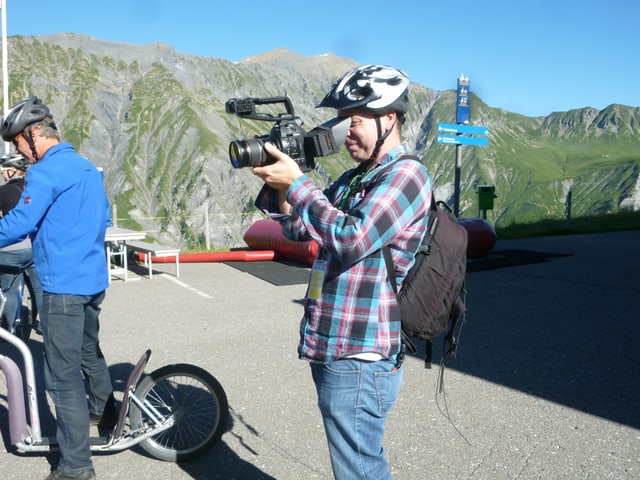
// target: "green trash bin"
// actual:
[[486, 194]]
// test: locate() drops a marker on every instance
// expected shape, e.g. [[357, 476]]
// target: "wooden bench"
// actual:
[[151, 250]]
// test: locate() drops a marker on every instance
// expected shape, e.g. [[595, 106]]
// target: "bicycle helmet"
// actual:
[[14, 160], [21, 115], [376, 88]]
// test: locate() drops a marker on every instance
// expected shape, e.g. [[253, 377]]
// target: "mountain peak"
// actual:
[[269, 56]]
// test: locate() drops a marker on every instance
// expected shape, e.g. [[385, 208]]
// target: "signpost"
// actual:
[[464, 101], [470, 129], [460, 140], [461, 133]]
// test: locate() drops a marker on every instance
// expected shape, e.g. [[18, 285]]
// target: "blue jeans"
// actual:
[[17, 257], [355, 398], [70, 328]]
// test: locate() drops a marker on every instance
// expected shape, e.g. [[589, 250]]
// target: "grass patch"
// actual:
[[627, 220]]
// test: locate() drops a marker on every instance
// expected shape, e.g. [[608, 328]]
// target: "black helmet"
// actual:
[[21, 115], [376, 88], [14, 160]]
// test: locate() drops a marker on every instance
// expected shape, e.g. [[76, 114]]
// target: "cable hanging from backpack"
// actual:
[[440, 390]]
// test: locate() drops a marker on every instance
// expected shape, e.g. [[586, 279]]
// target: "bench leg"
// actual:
[[108, 248], [124, 261], [150, 265], [124, 256]]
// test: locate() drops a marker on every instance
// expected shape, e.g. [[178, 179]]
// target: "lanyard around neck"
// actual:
[[352, 186]]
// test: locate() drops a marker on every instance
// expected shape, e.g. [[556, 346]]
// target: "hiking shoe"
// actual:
[[109, 417], [94, 419], [83, 475], [103, 422]]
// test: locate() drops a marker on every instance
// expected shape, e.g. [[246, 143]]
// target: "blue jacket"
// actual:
[[65, 210]]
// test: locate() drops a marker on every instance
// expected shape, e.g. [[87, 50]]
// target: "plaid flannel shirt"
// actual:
[[354, 309]]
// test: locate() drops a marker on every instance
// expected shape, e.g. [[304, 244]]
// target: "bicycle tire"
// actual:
[[197, 400], [28, 308]]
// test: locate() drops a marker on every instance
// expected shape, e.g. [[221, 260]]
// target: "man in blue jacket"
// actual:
[[65, 211]]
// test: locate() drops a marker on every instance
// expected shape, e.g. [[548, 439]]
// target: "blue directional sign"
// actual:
[[449, 128], [462, 140]]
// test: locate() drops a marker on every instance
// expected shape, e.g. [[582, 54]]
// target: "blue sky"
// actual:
[[527, 56]]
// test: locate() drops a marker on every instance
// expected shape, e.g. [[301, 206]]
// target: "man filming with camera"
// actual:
[[350, 332]]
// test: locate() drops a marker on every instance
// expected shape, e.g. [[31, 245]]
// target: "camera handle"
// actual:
[[246, 107]]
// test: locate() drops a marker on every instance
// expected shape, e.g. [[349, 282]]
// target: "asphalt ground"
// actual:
[[546, 383]]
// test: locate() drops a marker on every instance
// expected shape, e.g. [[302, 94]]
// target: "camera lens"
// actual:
[[247, 153]]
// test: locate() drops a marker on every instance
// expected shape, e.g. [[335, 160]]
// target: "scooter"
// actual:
[[175, 413]]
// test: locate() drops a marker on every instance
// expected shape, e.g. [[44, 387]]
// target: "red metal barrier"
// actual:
[[266, 242], [267, 234], [482, 236]]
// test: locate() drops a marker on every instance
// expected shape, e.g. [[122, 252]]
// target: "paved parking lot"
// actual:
[[546, 383]]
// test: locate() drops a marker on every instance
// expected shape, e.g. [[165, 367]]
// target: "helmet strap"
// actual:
[[31, 143], [381, 136]]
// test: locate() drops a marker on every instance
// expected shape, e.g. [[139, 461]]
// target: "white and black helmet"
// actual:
[[375, 88], [14, 160]]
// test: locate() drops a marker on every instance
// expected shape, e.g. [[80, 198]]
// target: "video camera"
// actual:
[[287, 135]]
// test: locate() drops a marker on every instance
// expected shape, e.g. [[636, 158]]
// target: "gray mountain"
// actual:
[[154, 119]]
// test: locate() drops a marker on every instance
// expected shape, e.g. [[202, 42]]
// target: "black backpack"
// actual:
[[432, 294]]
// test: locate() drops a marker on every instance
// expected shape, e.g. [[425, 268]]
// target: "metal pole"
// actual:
[[5, 67], [567, 209], [207, 240], [456, 184]]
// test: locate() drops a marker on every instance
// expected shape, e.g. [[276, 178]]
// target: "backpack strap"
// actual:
[[391, 274], [360, 185]]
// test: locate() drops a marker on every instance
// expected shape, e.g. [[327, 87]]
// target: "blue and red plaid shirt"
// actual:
[[350, 307]]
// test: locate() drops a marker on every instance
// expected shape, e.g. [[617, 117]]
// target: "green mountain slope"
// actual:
[[154, 120]]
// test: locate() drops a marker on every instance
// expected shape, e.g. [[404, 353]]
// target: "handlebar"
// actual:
[[15, 269]]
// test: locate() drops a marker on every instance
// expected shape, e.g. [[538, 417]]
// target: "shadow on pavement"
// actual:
[[565, 332], [222, 463]]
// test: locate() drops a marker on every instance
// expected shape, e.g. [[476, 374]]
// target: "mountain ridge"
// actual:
[[154, 119]]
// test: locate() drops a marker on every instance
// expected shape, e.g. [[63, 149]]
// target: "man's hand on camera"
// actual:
[[280, 174]]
